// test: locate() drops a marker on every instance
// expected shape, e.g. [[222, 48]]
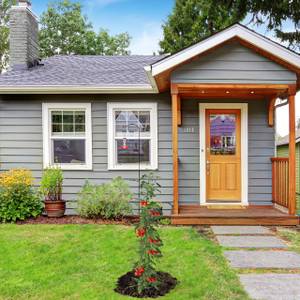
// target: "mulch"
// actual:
[[127, 285], [78, 220]]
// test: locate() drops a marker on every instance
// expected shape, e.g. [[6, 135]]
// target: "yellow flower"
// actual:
[[16, 176]]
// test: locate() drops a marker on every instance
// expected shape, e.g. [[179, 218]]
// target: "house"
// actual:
[[202, 119], [282, 147]]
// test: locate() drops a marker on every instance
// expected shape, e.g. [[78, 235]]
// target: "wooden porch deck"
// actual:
[[251, 215]]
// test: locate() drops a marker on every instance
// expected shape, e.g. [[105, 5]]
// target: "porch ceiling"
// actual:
[[232, 91]]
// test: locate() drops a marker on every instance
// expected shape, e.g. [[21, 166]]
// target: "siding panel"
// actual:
[[233, 63], [22, 146]]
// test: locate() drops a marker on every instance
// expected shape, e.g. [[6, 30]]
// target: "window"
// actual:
[[67, 135], [132, 136]]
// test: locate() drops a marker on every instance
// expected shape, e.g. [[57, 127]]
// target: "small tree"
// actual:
[[150, 242]]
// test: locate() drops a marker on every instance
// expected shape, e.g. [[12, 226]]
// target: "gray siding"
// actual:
[[21, 146], [233, 63], [261, 147], [21, 142]]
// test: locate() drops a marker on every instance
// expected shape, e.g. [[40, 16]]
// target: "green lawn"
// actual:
[[293, 236], [84, 262]]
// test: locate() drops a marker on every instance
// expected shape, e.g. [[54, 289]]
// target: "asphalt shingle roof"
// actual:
[[285, 140], [83, 70]]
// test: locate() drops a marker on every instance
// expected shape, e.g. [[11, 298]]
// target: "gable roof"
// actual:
[[76, 73], [234, 31], [285, 140]]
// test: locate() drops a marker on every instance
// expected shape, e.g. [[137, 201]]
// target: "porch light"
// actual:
[[202, 92], [252, 92], [227, 92]]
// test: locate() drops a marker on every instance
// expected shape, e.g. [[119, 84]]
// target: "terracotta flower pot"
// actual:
[[55, 209]]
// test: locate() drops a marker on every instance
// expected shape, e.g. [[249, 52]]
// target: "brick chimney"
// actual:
[[23, 49]]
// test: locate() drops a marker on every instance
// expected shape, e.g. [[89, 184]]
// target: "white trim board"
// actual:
[[234, 31], [244, 147], [46, 117], [152, 107]]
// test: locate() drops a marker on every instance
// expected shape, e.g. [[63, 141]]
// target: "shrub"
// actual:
[[51, 183], [107, 201], [18, 200]]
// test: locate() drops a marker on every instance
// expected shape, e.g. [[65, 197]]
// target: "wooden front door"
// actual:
[[223, 155]]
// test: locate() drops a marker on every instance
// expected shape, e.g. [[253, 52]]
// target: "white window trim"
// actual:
[[244, 147], [46, 109], [152, 106]]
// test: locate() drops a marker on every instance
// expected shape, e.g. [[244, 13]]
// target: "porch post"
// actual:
[[175, 119], [292, 155]]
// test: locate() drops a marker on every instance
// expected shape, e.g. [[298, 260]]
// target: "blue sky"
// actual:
[[142, 19]]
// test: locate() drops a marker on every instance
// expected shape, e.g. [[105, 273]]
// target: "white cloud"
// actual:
[[147, 41]]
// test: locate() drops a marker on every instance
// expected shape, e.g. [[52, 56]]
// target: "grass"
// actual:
[[84, 262], [293, 236]]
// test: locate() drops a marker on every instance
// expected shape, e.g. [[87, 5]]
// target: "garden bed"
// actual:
[[79, 220]]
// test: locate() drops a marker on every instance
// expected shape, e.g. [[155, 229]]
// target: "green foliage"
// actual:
[[18, 200], [51, 183], [84, 262], [150, 242], [108, 201], [65, 30], [165, 221], [4, 32], [194, 20]]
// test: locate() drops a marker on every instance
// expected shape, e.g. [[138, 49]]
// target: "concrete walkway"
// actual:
[[257, 248]]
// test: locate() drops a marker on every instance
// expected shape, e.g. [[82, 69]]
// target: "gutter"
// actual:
[[126, 89]]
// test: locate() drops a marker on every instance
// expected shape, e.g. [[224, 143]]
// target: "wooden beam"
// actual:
[[179, 118], [292, 155], [271, 111], [175, 152]]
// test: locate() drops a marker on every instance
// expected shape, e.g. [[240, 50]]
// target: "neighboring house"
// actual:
[[201, 119], [283, 151]]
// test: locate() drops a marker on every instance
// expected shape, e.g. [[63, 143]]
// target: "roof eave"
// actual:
[[126, 89], [234, 31]]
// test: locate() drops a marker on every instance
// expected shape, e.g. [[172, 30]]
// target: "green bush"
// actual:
[[51, 183], [107, 201], [18, 200]]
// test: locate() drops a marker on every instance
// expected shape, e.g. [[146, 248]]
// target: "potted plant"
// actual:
[[51, 189]]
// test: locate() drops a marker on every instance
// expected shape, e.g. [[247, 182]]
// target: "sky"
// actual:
[[143, 19]]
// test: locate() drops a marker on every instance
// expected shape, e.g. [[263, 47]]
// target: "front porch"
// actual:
[[251, 215], [282, 209]]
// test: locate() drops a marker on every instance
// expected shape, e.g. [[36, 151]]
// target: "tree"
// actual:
[[4, 32], [64, 30], [273, 14], [193, 20]]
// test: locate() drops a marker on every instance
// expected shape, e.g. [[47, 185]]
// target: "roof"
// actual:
[[128, 74], [285, 140], [237, 31], [111, 73]]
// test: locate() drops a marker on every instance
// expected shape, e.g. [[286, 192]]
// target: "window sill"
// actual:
[[73, 167], [132, 168]]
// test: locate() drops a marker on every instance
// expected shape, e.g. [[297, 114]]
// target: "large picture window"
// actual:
[[67, 135], [132, 136]]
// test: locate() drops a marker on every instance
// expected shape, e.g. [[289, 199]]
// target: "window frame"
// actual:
[[112, 155], [47, 108]]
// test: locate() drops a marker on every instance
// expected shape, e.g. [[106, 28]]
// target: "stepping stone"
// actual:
[[240, 230], [251, 241], [272, 286], [263, 259]]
